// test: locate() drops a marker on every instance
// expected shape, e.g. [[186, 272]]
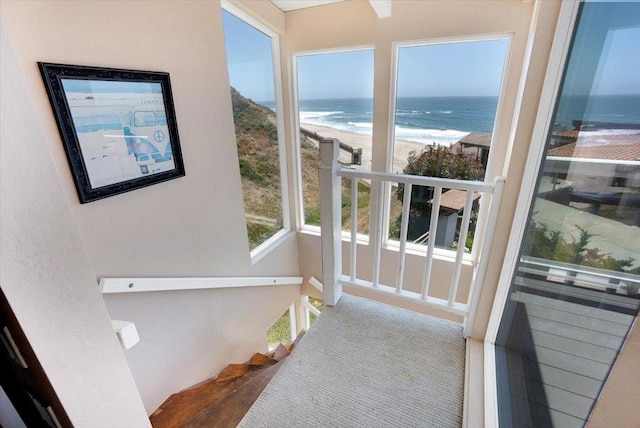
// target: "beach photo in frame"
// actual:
[[118, 127]]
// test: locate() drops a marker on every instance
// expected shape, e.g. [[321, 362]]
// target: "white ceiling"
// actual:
[[381, 7], [289, 5]]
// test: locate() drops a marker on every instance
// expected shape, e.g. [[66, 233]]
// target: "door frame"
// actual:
[[550, 91]]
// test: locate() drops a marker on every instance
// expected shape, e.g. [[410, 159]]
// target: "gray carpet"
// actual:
[[365, 364]]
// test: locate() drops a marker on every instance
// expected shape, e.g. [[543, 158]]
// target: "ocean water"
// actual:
[[444, 120], [441, 120]]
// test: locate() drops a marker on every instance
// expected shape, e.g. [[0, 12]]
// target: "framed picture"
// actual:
[[118, 127]]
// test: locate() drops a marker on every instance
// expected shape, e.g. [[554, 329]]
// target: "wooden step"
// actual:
[[229, 411], [180, 408], [222, 401]]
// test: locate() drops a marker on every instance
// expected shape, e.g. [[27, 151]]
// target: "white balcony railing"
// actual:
[[331, 226]]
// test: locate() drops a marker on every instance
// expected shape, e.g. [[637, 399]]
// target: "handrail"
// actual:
[[356, 154], [577, 269], [330, 192], [418, 180], [138, 285]]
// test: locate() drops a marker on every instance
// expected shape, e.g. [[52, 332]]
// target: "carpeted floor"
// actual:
[[365, 364]]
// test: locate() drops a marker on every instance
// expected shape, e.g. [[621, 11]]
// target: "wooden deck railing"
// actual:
[[331, 225]]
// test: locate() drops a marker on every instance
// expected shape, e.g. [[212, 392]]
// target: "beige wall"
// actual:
[[189, 336], [177, 228], [46, 274], [616, 406], [354, 23], [184, 39]]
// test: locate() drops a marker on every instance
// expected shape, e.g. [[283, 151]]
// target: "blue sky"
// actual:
[[108, 87], [448, 69], [336, 75], [451, 69], [249, 59]]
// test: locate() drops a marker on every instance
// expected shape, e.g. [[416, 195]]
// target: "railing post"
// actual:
[[480, 270], [330, 220]]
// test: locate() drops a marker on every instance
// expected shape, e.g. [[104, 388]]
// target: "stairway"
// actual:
[[222, 401], [362, 364], [367, 364]]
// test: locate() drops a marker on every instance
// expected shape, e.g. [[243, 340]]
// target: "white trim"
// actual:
[[591, 160], [389, 292], [247, 18], [126, 332], [309, 307], [293, 325], [490, 387], [472, 404], [298, 187], [477, 284], [454, 39], [483, 208], [138, 285], [354, 48], [316, 284], [553, 77], [382, 8], [418, 180], [266, 247]]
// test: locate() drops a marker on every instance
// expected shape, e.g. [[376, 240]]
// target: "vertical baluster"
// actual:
[[462, 239], [377, 249], [433, 229], [406, 204], [354, 228]]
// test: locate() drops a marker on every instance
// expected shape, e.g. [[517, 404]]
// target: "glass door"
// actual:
[[575, 290]]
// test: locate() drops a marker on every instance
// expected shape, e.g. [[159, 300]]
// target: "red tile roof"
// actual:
[[624, 147], [568, 133]]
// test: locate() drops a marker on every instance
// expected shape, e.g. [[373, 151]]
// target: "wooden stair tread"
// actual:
[[261, 359], [281, 353], [228, 412], [233, 371], [223, 401], [180, 407]]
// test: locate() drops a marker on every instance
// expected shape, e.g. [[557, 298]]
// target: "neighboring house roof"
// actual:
[[567, 133], [476, 139], [455, 199], [613, 147]]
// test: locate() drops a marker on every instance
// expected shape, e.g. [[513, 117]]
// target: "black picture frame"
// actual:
[[118, 127]]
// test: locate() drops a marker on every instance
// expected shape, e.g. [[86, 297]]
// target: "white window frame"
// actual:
[[267, 246], [550, 92], [301, 226], [441, 253]]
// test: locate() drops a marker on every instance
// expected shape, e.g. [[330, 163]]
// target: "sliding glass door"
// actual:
[[574, 292]]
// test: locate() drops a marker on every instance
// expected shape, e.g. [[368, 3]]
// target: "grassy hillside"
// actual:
[[257, 140]]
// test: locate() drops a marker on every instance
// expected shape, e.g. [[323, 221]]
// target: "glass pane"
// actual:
[[575, 290], [335, 92], [447, 96], [250, 62]]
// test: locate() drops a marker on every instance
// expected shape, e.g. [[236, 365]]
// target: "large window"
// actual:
[[445, 109], [574, 290], [335, 100], [251, 63]]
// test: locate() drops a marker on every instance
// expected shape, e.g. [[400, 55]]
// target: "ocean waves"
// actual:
[[336, 120]]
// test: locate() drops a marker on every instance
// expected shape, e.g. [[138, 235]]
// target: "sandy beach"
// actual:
[[401, 147]]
